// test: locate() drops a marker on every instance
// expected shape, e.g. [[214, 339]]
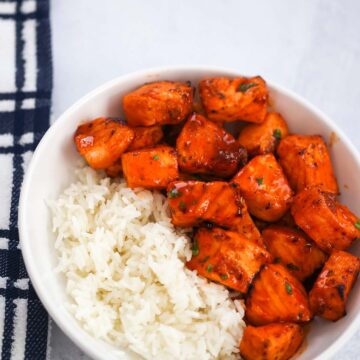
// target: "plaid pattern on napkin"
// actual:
[[25, 92]]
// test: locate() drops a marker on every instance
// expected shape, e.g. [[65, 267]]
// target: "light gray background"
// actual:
[[310, 46]]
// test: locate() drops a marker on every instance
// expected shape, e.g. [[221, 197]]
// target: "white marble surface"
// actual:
[[310, 46]]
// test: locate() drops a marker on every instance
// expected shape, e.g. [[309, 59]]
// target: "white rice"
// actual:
[[123, 262]]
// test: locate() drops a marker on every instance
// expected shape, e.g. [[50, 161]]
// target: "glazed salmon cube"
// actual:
[[264, 187], [193, 202], [146, 137], [278, 341], [306, 162], [260, 139], [241, 98], [158, 103], [206, 148], [327, 222], [227, 257], [102, 141], [331, 290], [152, 168], [294, 250], [277, 296]]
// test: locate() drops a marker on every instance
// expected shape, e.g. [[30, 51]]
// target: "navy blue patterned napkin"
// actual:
[[25, 94]]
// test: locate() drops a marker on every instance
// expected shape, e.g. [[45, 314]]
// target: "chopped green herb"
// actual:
[[224, 276], [245, 86], [196, 177], [205, 259], [291, 266], [209, 268], [195, 247], [288, 288], [182, 206], [174, 193], [357, 224], [277, 134], [156, 157], [259, 180]]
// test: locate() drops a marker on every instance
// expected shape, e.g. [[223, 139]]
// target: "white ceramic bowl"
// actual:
[[52, 169]]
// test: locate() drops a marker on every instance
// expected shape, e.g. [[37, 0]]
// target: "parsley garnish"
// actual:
[[245, 86], [224, 276], [174, 193], [195, 248], [209, 268], [156, 157], [277, 134], [288, 288], [205, 259], [182, 206], [259, 180], [357, 224]]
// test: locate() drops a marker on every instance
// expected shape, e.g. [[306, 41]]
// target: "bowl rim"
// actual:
[[25, 242]]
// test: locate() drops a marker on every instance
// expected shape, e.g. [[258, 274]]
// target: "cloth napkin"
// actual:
[[25, 94]]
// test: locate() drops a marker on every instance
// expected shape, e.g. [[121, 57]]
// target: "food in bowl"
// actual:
[[160, 258], [124, 264]]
